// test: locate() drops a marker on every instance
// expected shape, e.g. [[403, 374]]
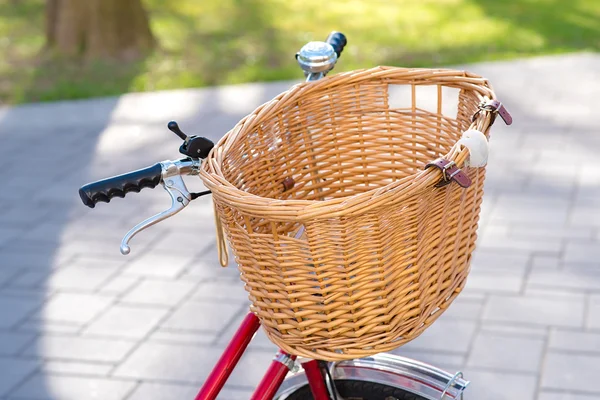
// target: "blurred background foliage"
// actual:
[[212, 42]]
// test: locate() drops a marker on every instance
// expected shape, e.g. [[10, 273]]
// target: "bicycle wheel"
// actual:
[[360, 390]]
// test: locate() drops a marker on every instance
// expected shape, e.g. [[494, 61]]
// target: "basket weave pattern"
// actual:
[[363, 253]]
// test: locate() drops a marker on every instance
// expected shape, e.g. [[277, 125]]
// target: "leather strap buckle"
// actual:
[[450, 172], [445, 169], [496, 108]]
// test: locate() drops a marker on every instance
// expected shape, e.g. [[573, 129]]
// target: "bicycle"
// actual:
[[376, 377]]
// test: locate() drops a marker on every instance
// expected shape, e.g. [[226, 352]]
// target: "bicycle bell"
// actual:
[[316, 58]]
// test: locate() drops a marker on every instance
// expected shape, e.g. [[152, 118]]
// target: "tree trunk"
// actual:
[[98, 28]]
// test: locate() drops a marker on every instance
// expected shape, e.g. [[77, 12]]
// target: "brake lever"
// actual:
[[174, 185]]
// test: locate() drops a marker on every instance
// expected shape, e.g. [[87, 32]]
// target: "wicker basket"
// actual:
[[346, 245]]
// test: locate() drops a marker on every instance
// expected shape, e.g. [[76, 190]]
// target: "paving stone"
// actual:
[[548, 262], [445, 335], [493, 230], [161, 293], [516, 330], [499, 385], [39, 326], [568, 279], [124, 321], [34, 294], [50, 387], [76, 368], [108, 230], [59, 232], [235, 394], [7, 234], [84, 279], [589, 174], [561, 188], [561, 339], [469, 295], [169, 362], [182, 337], [43, 259], [539, 245], [157, 265], [11, 343], [592, 319], [187, 364], [15, 309], [582, 252], [499, 260], [555, 293], [463, 308], [29, 279], [585, 200], [71, 307], [205, 316], [196, 237], [164, 391], [13, 372], [66, 251], [118, 285], [527, 231], [14, 215], [110, 260], [8, 274], [565, 396], [79, 349], [501, 181], [500, 352], [545, 311], [222, 291], [586, 216], [208, 268], [504, 281], [585, 267], [563, 371], [528, 210]]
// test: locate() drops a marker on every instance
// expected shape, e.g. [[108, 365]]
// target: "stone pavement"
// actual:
[[80, 321]]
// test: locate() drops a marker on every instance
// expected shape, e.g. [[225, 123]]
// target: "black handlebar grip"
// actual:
[[119, 185], [337, 40]]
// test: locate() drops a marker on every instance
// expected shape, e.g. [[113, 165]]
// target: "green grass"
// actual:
[[212, 42]]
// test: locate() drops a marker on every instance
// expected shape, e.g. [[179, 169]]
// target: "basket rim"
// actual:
[[294, 210]]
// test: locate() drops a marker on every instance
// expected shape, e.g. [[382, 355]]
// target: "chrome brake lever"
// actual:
[[174, 185]]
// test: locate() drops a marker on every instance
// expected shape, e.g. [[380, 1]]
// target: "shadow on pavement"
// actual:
[[61, 270]]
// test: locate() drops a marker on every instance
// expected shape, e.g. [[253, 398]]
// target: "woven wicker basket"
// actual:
[[346, 246]]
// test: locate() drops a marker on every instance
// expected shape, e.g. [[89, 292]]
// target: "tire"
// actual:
[[360, 390]]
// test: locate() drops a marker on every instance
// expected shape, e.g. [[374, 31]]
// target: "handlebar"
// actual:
[[338, 41], [168, 173], [118, 186]]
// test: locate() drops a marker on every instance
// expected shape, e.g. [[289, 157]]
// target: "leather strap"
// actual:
[[450, 172], [502, 111], [497, 108]]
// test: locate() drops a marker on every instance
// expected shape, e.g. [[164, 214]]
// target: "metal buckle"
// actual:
[[447, 167], [496, 108], [486, 105]]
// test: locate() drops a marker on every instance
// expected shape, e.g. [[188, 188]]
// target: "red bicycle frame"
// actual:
[[274, 376]]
